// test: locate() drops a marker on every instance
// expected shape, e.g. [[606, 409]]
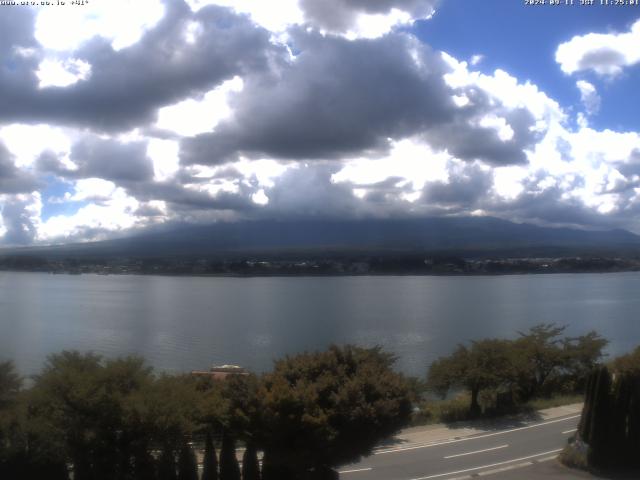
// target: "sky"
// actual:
[[121, 115]]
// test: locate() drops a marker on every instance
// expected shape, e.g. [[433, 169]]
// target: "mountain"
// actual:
[[471, 236]]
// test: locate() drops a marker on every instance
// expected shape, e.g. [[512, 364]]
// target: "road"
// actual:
[[467, 457]]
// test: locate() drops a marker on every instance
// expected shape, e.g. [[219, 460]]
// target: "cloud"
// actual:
[[351, 18], [379, 90], [606, 54], [112, 160], [55, 73], [466, 185], [375, 91], [93, 157], [127, 86], [361, 17], [13, 179], [64, 27], [197, 112], [589, 96], [20, 215]]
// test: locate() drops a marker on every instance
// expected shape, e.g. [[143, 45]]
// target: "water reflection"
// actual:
[[182, 323]]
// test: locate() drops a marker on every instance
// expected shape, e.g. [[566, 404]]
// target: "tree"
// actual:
[[229, 468], [10, 383], [610, 421], [581, 355], [209, 462], [629, 363], [167, 464], [485, 364], [599, 438], [323, 409], [250, 466], [187, 463], [85, 403], [540, 354]]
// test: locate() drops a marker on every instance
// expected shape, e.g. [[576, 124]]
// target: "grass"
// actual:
[[555, 401], [457, 408]]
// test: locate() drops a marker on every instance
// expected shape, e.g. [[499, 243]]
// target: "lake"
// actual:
[[185, 323]]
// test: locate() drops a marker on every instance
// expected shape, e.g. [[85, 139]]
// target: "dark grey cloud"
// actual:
[[18, 223], [308, 191], [12, 179], [341, 98], [19, 56], [337, 98], [126, 87], [631, 166], [112, 160], [101, 158], [340, 15], [182, 198], [466, 139], [466, 187], [549, 208]]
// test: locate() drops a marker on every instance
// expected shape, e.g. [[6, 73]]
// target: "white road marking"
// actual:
[[570, 431], [466, 439], [477, 451], [356, 470], [487, 466]]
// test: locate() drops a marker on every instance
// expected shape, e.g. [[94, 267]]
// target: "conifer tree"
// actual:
[[167, 465], [210, 462], [599, 435], [187, 463], [250, 467], [229, 468]]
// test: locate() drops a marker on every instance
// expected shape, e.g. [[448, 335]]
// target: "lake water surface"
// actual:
[[184, 323]]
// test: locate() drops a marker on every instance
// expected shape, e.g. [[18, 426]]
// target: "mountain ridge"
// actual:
[[471, 235]]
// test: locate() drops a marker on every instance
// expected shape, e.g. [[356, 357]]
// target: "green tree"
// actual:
[[541, 353], [328, 408], [187, 463], [229, 468], [167, 464], [209, 462], [581, 355], [10, 384], [627, 364], [250, 466], [610, 421], [485, 364], [83, 402]]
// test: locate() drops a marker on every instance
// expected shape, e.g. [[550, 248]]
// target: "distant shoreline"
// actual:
[[324, 275]]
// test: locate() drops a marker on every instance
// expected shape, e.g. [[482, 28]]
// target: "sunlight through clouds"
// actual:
[[121, 21]]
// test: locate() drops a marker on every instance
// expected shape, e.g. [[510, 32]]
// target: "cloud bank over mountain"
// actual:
[[202, 111]]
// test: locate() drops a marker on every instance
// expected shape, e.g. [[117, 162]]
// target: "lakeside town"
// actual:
[[343, 265]]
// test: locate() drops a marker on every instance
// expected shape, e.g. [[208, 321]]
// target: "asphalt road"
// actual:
[[486, 453]]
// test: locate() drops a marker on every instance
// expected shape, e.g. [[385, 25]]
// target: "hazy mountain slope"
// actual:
[[470, 234]]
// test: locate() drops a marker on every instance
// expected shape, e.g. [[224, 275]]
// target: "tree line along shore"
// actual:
[[265, 265]]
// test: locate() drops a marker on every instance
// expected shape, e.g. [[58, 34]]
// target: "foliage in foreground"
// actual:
[[116, 419], [330, 408], [540, 363], [610, 421]]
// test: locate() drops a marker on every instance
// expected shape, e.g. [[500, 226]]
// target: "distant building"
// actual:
[[220, 372]]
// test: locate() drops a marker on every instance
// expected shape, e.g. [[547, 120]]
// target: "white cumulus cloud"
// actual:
[[606, 54], [589, 96]]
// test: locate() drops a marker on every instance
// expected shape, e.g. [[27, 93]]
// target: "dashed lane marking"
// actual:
[[439, 475], [477, 451], [356, 470]]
